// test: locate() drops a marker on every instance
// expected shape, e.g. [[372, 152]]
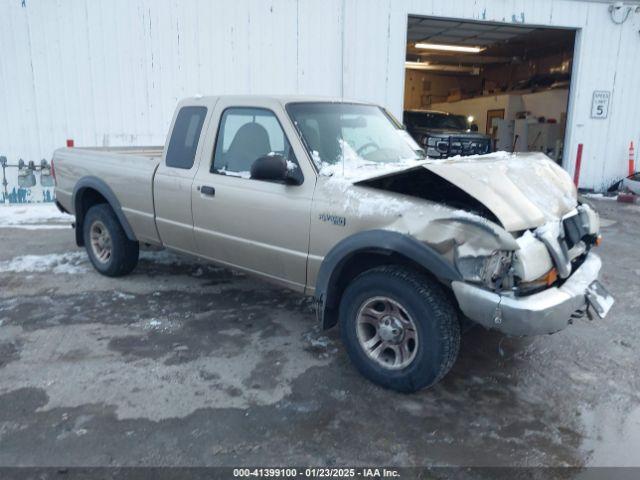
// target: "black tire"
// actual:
[[123, 256], [435, 319]]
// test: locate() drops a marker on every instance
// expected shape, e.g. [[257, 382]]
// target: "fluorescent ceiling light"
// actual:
[[417, 65], [442, 68], [449, 48]]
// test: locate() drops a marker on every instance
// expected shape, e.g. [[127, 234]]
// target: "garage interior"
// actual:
[[510, 81]]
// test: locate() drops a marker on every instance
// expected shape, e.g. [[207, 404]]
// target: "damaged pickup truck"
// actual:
[[336, 200]]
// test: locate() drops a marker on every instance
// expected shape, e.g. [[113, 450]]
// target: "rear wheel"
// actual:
[[399, 327], [110, 251]]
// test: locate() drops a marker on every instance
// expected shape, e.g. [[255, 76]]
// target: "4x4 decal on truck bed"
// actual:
[[335, 219]]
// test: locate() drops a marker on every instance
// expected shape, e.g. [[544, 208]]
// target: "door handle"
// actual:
[[207, 190]]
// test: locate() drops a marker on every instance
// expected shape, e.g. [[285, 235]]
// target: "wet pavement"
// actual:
[[186, 364]]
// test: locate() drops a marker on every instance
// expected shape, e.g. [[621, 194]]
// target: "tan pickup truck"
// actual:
[[335, 200]]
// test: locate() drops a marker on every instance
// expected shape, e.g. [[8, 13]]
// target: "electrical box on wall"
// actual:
[[521, 131], [503, 134]]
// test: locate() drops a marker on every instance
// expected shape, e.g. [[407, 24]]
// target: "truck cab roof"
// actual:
[[282, 99]]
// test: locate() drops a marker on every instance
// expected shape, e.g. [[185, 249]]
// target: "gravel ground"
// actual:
[[183, 363]]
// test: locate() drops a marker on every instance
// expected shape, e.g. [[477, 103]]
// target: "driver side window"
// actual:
[[246, 134]]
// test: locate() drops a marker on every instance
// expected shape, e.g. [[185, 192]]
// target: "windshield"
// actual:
[[435, 120], [339, 134]]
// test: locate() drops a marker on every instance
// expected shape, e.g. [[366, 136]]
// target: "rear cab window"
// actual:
[[181, 152]]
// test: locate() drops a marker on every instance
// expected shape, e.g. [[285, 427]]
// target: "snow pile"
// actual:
[[501, 154], [69, 263], [33, 216], [123, 295], [291, 166], [317, 343], [600, 196], [231, 173], [354, 167], [77, 262], [161, 325]]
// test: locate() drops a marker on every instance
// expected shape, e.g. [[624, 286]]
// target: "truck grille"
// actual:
[[574, 230], [443, 147], [466, 146]]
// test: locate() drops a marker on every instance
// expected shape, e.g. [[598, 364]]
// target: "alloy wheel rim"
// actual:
[[100, 241], [387, 333]]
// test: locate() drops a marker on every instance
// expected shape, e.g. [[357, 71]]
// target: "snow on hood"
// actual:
[[523, 190]]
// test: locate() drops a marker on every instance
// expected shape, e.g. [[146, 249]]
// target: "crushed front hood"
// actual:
[[522, 190]]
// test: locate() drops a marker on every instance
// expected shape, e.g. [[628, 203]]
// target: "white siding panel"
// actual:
[[395, 58], [21, 138], [319, 37], [365, 72]]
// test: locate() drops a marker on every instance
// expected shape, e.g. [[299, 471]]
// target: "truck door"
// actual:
[[174, 178], [256, 225]]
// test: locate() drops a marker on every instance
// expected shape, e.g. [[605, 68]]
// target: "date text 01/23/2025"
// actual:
[[316, 473]]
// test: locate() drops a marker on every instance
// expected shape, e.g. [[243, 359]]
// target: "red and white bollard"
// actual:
[[632, 163], [576, 171]]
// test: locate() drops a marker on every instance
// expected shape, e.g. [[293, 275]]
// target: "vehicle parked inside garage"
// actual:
[[335, 200], [443, 134]]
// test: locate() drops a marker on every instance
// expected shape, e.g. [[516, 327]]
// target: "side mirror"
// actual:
[[273, 168]]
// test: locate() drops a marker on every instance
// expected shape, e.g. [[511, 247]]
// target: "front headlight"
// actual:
[[430, 141], [493, 270]]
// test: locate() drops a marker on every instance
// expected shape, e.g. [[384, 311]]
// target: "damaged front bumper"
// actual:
[[545, 312]]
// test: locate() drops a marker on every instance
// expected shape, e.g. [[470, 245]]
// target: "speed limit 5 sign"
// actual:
[[600, 104]]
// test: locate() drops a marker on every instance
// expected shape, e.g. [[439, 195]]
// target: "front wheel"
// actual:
[[399, 328], [110, 251]]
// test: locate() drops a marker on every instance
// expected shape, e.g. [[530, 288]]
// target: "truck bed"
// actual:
[[127, 171], [148, 151]]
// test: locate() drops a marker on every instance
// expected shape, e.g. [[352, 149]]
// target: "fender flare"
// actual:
[[383, 242], [100, 186]]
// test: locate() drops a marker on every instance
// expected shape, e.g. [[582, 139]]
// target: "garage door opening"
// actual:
[[476, 87]]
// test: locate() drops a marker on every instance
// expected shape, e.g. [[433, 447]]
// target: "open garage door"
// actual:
[[475, 87]]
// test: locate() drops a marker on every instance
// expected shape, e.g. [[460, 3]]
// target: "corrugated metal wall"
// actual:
[[110, 72]]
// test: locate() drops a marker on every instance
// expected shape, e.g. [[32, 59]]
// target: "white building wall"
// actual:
[[109, 72]]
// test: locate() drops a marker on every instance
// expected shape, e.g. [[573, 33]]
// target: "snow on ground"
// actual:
[[33, 216], [600, 196], [70, 262], [76, 262]]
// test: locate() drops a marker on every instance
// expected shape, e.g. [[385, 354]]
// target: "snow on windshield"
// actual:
[[351, 165], [344, 139]]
